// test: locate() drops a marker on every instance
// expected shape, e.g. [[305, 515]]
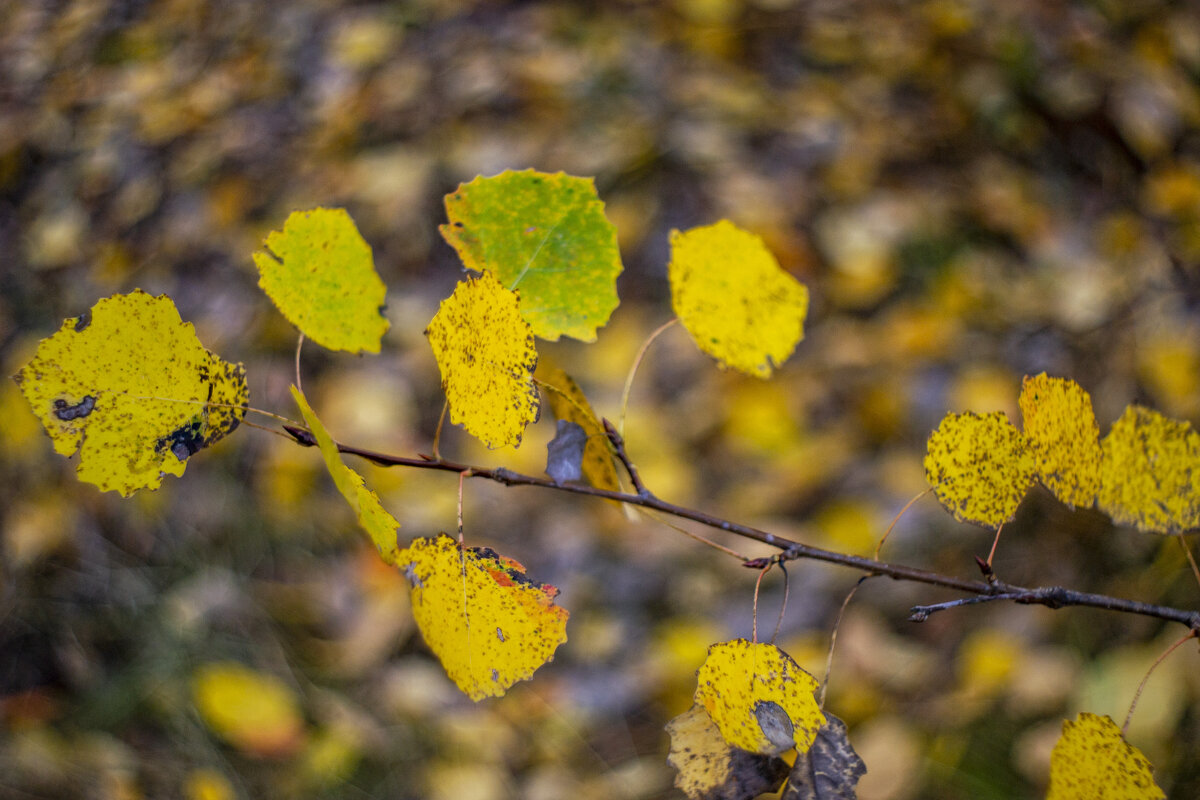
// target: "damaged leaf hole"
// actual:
[[67, 412]]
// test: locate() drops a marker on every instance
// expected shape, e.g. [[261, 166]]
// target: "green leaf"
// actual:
[[131, 388], [545, 236], [320, 273]]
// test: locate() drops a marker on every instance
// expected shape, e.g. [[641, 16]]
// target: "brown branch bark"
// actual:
[[789, 550]]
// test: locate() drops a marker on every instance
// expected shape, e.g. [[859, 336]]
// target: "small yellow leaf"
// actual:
[[567, 401], [488, 624], [1061, 427], [130, 386], [1150, 474], [980, 466], [485, 352], [1093, 762], [320, 273], [377, 522], [708, 767], [736, 302], [254, 712], [758, 697]]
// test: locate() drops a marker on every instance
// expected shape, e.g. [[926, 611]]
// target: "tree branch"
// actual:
[[790, 550]]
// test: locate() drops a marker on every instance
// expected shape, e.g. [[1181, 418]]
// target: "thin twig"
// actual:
[[837, 625], [618, 444], [633, 368], [299, 344], [790, 550], [1138, 694]]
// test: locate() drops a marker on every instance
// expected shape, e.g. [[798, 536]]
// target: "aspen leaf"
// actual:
[[1092, 761], [1061, 428], [980, 466], [254, 712], [759, 698], [320, 274], [126, 385], [1150, 473], [736, 302], [488, 624], [546, 236], [485, 352], [564, 453], [709, 768], [568, 402], [378, 523], [829, 770]]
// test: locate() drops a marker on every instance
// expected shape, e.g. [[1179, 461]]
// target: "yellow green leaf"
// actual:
[[1150, 473], [320, 273], [546, 236], [377, 522], [1092, 761], [759, 698], [980, 466], [1061, 427], [485, 352], [131, 388], [736, 302], [487, 623], [708, 767], [252, 711], [567, 401]]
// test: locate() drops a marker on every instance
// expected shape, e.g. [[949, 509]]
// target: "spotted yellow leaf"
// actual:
[[488, 624], [485, 352], [1150, 473], [1092, 761], [567, 401], [378, 523], [708, 767], [980, 466], [759, 698], [321, 275], [131, 388], [545, 236], [1061, 427], [736, 302], [254, 712]]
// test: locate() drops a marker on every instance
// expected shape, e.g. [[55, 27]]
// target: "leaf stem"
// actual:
[[637, 362]]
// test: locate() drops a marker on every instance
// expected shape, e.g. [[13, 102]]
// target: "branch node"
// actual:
[[303, 437]]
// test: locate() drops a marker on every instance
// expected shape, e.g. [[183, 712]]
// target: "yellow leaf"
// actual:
[[378, 523], [252, 711], [127, 385], [1150, 472], [980, 466], [758, 697], [1061, 427], [488, 624], [486, 355], [207, 784], [567, 401], [736, 302], [1093, 762], [709, 767], [320, 273]]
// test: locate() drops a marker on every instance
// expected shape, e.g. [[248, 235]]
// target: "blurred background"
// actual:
[[972, 190]]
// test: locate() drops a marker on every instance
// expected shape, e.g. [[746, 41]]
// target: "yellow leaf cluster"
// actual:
[[733, 298], [1061, 427], [488, 624], [758, 697], [130, 386], [375, 520], [321, 275], [486, 355], [1092, 761], [1150, 473], [980, 466], [252, 711], [567, 401]]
